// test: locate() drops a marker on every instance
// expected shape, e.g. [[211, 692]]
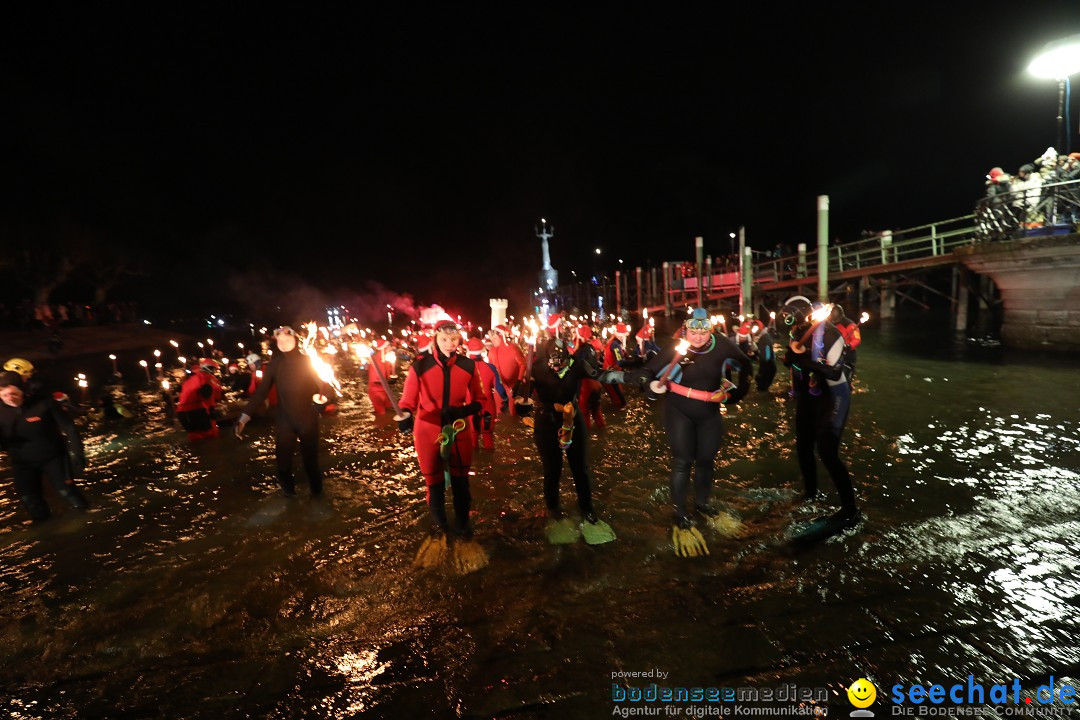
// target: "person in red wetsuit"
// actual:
[[199, 393], [647, 348], [440, 389], [615, 358], [590, 388], [507, 358], [380, 401], [484, 421]]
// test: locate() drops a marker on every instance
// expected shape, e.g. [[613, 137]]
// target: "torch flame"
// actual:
[[682, 347], [321, 367], [865, 316], [822, 313]]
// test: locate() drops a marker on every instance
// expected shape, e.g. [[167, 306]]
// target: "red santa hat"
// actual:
[[380, 343], [554, 323], [621, 329], [475, 346], [423, 343], [584, 332], [502, 330]]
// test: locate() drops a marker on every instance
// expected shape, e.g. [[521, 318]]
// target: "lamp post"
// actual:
[[1058, 60]]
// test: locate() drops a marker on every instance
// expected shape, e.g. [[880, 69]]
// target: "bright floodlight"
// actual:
[[1058, 59], [597, 251]]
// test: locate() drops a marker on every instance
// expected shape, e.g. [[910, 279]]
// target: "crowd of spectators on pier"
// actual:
[[1032, 198], [25, 315]]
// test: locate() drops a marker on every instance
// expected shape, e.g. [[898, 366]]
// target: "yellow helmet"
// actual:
[[20, 365]]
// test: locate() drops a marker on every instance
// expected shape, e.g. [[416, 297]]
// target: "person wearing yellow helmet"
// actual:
[[20, 365], [41, 440]]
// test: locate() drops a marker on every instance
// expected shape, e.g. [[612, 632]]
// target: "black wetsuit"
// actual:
[[695, 429], [38, 437], [550, 389], [766, 359], [821, 380], [296, 416]]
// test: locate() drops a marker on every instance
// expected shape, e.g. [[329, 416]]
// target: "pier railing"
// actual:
[[1045, 210], [885, 248]]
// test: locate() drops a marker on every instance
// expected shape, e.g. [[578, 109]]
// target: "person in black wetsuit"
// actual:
[[41, 439], [695, 388], [558, 426], [821, 379], [297, 416]]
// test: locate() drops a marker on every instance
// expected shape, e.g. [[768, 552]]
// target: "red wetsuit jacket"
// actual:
[[850, 330], [510, 363], [376, 392], [434, 383], [192, 395], [487, 384], [613, 354]]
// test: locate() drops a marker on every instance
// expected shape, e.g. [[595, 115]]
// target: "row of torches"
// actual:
[[354, 340]]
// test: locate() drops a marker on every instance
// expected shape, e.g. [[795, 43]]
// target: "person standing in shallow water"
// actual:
[[821, 379], [442, 392], [695, 384], [296, 414], [557, 375], [41, 440]]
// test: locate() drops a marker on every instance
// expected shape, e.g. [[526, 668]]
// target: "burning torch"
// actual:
[[660, 385]]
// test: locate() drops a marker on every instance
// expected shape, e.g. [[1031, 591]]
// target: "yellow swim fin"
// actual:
[[433, 551], [469, 556], [688, 541]]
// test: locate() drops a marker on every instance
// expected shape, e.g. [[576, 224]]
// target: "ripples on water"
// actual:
[[193, 590]]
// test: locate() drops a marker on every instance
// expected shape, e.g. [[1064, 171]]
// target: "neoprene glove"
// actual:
[[405, 425], [451, 414]]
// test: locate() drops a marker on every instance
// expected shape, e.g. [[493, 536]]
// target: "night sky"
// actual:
[[235, 155]]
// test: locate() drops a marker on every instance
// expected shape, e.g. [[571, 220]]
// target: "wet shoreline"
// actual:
[[192, 590]]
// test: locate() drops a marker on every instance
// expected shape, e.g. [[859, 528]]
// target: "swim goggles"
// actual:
[[698, 324]]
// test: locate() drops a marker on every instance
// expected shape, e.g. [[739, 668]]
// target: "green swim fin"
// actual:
[[596, 531], [562, 531], [688, 541]]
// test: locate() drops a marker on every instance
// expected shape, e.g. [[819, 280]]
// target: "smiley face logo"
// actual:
[[862, 693]]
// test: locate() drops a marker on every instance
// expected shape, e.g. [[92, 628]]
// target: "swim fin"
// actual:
[[723, 523], [433, 551], [469, 556], [596, 531], [561, 532], [824, 528], [688, 541]]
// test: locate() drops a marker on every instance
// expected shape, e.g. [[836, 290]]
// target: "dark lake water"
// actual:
[[193, 590]]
